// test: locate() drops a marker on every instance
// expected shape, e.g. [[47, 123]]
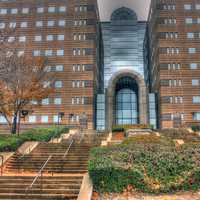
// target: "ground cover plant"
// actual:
[[12, 142], [147, 163]]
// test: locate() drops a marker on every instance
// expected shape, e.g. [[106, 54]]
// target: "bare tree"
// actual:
[[22, 81]]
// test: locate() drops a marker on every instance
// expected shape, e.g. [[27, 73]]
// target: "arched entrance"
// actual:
[[126, 99]]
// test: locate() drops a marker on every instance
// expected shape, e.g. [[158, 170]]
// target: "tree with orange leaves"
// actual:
[[22, 81]]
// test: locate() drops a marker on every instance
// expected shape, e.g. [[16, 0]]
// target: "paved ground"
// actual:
[[178, 196]]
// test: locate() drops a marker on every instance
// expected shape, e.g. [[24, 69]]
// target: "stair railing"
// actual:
[[68, 149], [39, 175], [2, 161]]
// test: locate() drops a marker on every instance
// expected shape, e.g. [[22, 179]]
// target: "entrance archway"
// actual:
[[126, 84]]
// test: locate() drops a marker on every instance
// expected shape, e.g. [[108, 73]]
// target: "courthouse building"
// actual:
[[120, 71]]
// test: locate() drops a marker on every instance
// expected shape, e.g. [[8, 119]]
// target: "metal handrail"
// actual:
[[2, 161], [67, 151], [39, 174]]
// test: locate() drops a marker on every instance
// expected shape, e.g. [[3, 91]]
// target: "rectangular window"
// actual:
[[40, 10], [60, 52], [22, 39], [196, 99], [38, 38], [36, 53], [39, 23], [59, 68], [57, 101], [45, 101], [3, 11], [2, 120], [191, 50], [49, 38], [196, 116], [56, 118], [62, 8], [197, 6], [44, 119], [193, 65], [58, 84], [24, 25], [61, 23], [61, 37], [14, 11], [188, 20], [190, 35], [12, 24], [48, 53], [195, 82], [32, 119], [25, 10], [50, 23], [51, 9], [2, 25], [187, 7]]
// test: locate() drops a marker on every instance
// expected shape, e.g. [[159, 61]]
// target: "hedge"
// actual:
[[12, 142], [152, 168]]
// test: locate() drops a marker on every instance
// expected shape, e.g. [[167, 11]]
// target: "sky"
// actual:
[[106, 7]]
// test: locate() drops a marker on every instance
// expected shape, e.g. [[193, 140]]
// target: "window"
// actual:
[[39, 23], [20, 53], [11, 39], [197, 6], [40, 10], [60, 52], [50, 23], [51, 9], [24, 25], [195, 82], [49, 37], [2, 25], [62, 9], [32, 119], [196, 116], [188, 7], [44, 119], [48, 53], [191, 50], [25, 10], [38, 38], [61, 23], [14, 11], [57, 101], [59, 68], [36, 53], [58, 84], [198, 20], [3, 11], [45, 101], [2, 119], [193, 65], [190, 35], [22, 39], [188, 21], [12, 24], [56, 119], [61, 37], [196, 99]]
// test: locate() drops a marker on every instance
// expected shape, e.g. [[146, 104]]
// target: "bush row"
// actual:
[[12, 142], [152, 168]]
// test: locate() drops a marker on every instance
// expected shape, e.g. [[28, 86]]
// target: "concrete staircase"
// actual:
[[62, 176]]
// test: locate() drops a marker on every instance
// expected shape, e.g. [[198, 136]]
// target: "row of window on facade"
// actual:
[[177, 66], [171, 6], [39, 10], [58, 101], [179, 99], [49, 23], [173, 20], [44, 119], [176, 50], [175, 35], [174, 83], [171, 117]]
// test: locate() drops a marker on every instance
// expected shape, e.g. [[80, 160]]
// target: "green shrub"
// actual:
[[12, 142], [152, 168], [195, 128], [118, 129]]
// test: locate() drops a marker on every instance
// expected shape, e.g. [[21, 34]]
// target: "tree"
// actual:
[[22, 81]]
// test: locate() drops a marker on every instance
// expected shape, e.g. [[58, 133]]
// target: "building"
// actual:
[[123, 99], [174, 67], [66, 33]]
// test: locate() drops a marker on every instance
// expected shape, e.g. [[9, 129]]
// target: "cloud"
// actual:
[[106, 7]]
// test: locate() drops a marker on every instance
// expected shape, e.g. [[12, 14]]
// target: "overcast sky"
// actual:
[[106, 7]]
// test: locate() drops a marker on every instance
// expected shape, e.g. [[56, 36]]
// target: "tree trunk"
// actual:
[[14, 125]]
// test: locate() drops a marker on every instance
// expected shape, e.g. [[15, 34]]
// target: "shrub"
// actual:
[[152, 168], [12, 142], [195, 128], [118, 129], [136, 126]]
